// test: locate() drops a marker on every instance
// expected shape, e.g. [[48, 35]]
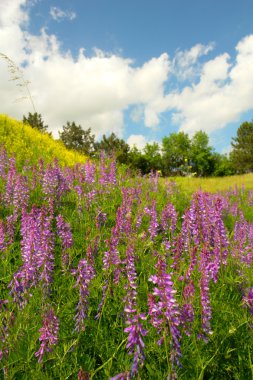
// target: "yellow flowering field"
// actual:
[[29, 144]]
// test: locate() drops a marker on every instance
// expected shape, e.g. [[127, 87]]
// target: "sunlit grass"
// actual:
[[214, 184]]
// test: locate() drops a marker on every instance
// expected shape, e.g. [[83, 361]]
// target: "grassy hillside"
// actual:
[[214, 184], [28, 144]]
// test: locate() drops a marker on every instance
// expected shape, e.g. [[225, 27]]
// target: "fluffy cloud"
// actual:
[[97, 90], [94, 91], [137, 140], [223, 93], [59, 15], [186, 63]]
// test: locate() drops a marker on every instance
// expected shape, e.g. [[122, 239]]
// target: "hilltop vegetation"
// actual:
[[29, 145]]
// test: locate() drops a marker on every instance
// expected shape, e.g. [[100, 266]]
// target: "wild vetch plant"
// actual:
[[108, 276]]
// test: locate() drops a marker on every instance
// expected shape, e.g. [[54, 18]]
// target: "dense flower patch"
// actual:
[[29, 145], [108, 276]]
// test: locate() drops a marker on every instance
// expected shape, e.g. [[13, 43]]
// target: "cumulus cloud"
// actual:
[[223, 93], [59, 15], [137, 140], [96, 91], [185, 64]]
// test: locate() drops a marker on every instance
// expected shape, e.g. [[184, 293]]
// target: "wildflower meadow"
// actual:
[[106, 275]]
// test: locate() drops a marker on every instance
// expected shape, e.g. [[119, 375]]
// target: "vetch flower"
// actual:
[[49, 333], [164, 310], [83, 274]]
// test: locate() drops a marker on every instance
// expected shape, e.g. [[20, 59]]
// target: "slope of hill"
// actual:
[[28, 144]]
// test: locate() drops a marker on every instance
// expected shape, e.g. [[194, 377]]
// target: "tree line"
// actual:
[[178, 154]]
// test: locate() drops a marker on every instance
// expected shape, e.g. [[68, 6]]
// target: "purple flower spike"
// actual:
[[65, 235], [248, 300], [49, 333], [164, 310], [84, 274], [121, 376]]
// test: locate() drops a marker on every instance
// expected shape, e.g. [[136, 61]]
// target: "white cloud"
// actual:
[[59, 15], [186, 63], [223, 93], [96, 91], [93, 91], [137, 140]]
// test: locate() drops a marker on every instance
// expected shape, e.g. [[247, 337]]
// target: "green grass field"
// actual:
[[108, 276]]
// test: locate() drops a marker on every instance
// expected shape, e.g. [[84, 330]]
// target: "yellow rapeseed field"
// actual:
[[28, 144]]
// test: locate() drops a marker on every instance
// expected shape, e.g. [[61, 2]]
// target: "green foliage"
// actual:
[[152, 153], [175, 149], [242, 152], [113, 146], [138, 161], [35, 121], [201, 154], [223, 166], [74, 137]]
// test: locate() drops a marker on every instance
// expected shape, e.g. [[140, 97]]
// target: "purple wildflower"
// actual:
[[164, 310], [90, 172], [153, 227], [135, 328], [20, 193], [83, 375], [37, 254], [121, 376], [169, 218], [10, 183], [188, 310], [45, 259], [3, 244], [103, 175], [64, 232], [49, 333], [54, 184], [135, 343], [154, 177], [112, 172], [248, 300], [4, 163], [100, 219], [83, 274], [206, 312]]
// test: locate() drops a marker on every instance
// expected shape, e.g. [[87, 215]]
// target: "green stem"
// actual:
[[109, 360]]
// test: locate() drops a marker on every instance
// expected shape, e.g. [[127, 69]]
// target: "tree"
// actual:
[[175, 150], [153, 156], [112, 145], [74, 137], [222, 165], [35, 121], [138, 161], [242, 148], [201, 154]]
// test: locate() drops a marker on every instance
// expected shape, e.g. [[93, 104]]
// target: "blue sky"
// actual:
[[141, 69]]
